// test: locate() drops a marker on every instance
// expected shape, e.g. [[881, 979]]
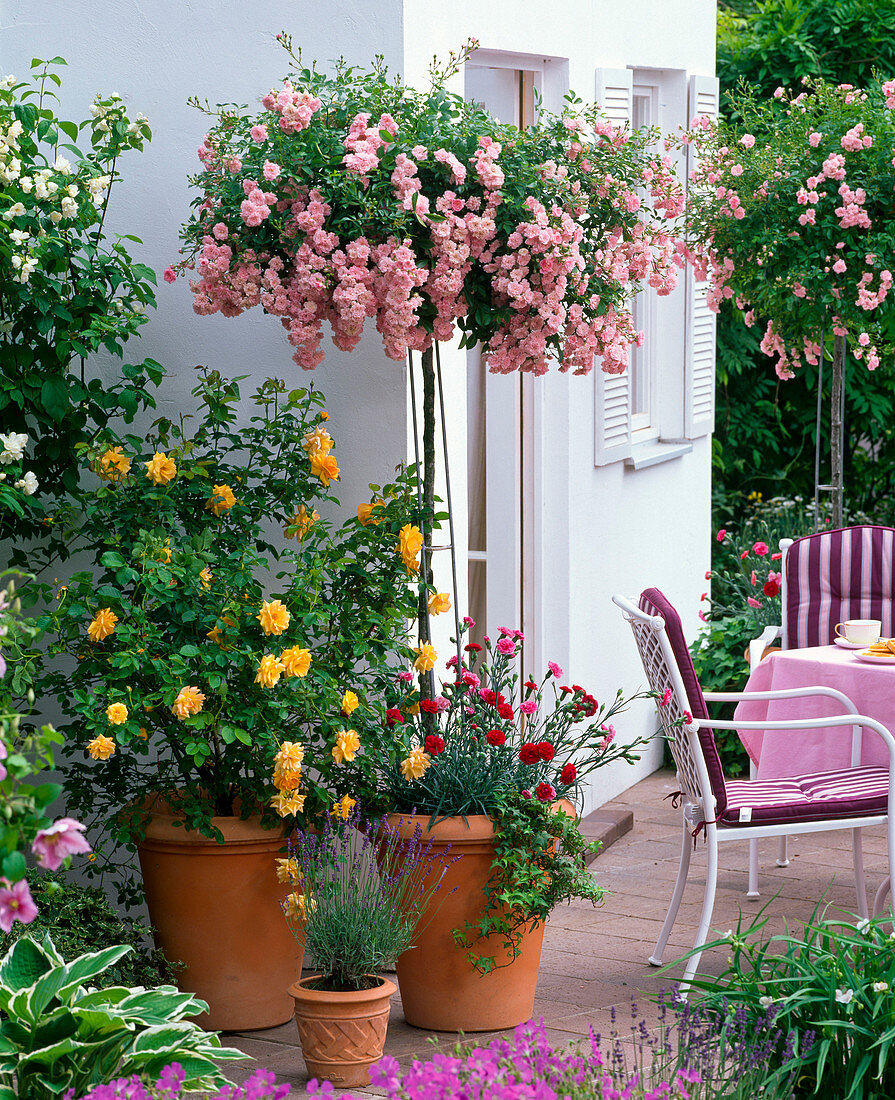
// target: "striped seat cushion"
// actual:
[[837, 575], [850, 792]]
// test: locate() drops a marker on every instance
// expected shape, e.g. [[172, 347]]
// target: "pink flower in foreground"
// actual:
[[760, 548], [507, 647], [63, 838], [468, 622], [16, 903], [405, 677], [528, 707], [721, 534], [666, 698], [169, 275], [752, 602], [555, 669], [258, 133]]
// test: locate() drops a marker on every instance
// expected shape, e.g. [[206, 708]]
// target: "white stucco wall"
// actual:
[[603, 529]]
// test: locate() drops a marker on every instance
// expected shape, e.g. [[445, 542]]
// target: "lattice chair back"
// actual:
[[670, 672], [832, 576]]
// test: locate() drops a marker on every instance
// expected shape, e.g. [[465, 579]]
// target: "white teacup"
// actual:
[[860, 631]]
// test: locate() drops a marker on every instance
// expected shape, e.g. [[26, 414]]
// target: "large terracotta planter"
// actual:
[[217, 909], [342, 1034], [440, 989]]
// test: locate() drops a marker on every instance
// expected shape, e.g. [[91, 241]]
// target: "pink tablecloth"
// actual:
[[784, 752]]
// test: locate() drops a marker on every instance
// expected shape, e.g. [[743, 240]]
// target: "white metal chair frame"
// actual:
[[699, 801]]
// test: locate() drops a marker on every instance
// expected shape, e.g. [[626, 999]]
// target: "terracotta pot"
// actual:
[[342, 1034], [440, 989], [768, 649], [217, 909]]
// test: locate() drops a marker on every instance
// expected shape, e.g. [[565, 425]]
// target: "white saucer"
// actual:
[[850, 645], [876, 658]]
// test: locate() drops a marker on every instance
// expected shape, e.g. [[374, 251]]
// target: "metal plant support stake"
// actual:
[[425, 491], [837, 434]]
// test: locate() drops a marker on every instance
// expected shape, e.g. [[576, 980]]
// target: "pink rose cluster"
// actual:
[[555, 299]]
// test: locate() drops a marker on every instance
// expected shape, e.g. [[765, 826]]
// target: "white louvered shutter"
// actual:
[[699, 409], [612, 392]]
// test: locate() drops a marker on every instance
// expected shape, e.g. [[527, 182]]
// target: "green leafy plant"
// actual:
[[358, 898], [200, 642], [80, 919], [67, 287], [830, 987], [59, 1033]]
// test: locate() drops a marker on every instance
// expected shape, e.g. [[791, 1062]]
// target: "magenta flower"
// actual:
[[63, 839], [721, 534], [555, 669], [16, 903], [528, 707], [3, 755], [468, 622], [666, 698], [760, 548], [752, 602], [507, 647]]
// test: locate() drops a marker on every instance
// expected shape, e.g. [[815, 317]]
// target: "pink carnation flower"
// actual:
[[507, 647], [528, 707], [16, 903], [63, 839], [555, 669]]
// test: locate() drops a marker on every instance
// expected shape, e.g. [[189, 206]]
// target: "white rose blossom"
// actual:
[[14, 445], [62, 166], [28, 484]]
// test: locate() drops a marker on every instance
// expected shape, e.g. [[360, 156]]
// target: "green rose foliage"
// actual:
[[67, 288], [184, 563]]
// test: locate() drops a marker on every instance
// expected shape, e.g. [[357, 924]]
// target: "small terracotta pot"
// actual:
[[768, 649], [440, 989], [342, 1034], [217, 909]]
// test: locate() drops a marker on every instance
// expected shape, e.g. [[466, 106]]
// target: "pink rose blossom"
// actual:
[[748, 140], [405, 677], [169, 275], [271, 170], [16, 903], [258, 133], [814, 139], [63, 839]]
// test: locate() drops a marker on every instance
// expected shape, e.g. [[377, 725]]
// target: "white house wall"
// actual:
[[603, 529]]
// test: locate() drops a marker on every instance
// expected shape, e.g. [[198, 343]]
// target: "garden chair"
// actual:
[[746, 809], [827, 577]]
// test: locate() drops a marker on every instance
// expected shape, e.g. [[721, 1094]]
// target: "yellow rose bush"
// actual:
[[226, 627]]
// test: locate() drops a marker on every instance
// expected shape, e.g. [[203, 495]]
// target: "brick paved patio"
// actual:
[[596, 958]]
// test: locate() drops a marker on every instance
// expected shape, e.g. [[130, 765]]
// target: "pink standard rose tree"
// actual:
[[792, 217]]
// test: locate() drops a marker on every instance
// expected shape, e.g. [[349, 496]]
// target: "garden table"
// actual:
[[777, 753]]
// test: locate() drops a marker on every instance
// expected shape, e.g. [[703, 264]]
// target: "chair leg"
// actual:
[[752, 891], [783, 857], [887, 884], [857, 843], [677, 894], [708, 905], [881, 895]]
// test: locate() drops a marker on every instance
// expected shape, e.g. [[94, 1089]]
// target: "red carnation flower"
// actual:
[[545, 750], [495, 737], [530, 685], [771, 589], [578, 687], [434, 744], [393, 716], [566, 690], [545, 793], [529, 753], [429, 706], [473, 647], [487, 696], [568, 774], [505, 711], [589, 706]]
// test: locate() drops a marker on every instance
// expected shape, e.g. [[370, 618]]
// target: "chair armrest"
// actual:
[[757, 645], [779, 693], [834, 720]]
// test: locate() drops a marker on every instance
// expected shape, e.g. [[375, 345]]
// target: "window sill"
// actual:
[[655, 452]]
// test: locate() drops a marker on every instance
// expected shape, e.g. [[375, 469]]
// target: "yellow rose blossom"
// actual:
[[301, 523], [164, 553], [350, 703], [103, 624], [222, 501], [412, 708], [274, 617], [438, 602], [287, 779], [101, 747], [346, 746], [318, 442], [205, 576], [325, 467], [365, 512], [160, 469], [113, 465], [414, 765], [288, 804], [269, 671], [144, 733], [288, 870], [343, 807], [214, 635], [290, 754], [189, 701], [298, 906], [324, 415], [425, 657], [116, 713], [410, 541], [296, 661]]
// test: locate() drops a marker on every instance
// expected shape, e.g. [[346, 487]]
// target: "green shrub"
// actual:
[[81, 919]]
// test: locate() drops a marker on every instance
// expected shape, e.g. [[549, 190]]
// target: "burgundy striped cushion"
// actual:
[[653, 602], [850, 792], [837, 575]]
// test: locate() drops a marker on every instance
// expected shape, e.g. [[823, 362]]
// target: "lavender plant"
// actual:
[[261, 1085], [359, 894]]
